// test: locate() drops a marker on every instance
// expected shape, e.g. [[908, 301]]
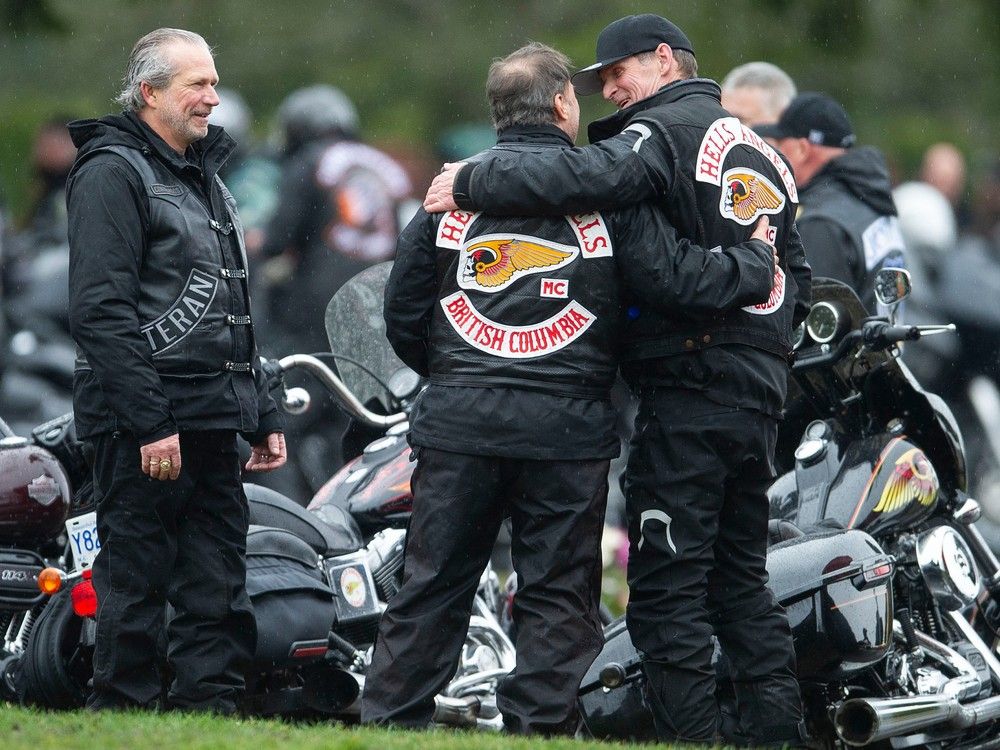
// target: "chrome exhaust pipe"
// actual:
[[861, 721], [456, 712]]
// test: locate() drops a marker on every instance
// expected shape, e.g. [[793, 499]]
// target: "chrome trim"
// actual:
[[336, 386], [969, 633]]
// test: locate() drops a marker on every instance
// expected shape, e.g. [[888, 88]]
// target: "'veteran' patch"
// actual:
[[776, 299], [186, 312], [747, 194], [516, 342], [453, 228], [592, 233], [722, 137], [491, 262]]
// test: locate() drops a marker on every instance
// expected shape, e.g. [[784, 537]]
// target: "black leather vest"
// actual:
[[182, 276], [530, 303], [725, 178]]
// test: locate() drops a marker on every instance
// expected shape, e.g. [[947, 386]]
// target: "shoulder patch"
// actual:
[[453, 228], [592, 233], [883, 237], [725, 134], [747, 194]]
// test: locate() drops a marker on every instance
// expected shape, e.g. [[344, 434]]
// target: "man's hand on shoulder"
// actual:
[[763, 232], [162, 459], [440, 196], [269, 455]]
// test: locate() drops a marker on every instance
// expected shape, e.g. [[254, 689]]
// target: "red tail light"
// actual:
[[84, 597]]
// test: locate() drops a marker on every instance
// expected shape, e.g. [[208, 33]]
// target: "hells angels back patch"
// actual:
[[747, 194], [493, 261]]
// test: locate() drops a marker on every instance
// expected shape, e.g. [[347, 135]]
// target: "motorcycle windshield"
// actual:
[[355, 329]]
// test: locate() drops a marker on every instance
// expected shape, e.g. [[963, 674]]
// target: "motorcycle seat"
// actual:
[[271, 542], [270, 508], [779, 530]]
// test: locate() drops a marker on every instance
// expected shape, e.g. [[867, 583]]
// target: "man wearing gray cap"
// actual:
[[709, 393], [848, 218]]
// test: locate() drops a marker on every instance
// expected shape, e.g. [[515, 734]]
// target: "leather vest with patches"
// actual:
[[531, 303], [182, 307], [725, 178]]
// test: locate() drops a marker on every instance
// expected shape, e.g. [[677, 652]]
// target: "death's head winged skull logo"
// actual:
[[490, 263], [747, 194]]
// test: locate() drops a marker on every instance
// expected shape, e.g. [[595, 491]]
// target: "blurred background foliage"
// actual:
[[911, 72]]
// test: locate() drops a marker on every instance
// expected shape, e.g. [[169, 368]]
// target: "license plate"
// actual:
[[83, 540]]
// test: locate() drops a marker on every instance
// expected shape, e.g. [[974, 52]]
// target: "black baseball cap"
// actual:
[[626, 37], [817, 117]]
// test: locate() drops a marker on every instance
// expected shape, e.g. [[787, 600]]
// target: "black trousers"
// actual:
[[557, 512], [181, 541], [695, 493]]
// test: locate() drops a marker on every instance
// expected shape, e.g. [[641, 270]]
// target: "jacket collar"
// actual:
[[533, 134], [613, 124]]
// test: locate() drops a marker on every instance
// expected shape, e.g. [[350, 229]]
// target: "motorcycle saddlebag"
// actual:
[[292, 604], [836, 587]]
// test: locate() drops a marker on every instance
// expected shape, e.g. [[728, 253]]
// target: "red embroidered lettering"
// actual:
[[595, 245]]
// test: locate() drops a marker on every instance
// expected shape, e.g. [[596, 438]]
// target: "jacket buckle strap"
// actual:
[[232, 273], [238, 366], [238, 320], [226, 228]]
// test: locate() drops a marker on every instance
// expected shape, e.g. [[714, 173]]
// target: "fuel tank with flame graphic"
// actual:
[[883, 483]]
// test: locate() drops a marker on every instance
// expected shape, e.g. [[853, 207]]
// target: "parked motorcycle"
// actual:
[[319, 579], [45, 521], [891, 592]]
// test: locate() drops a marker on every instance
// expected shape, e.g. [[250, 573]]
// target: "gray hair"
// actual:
[[687, 65], [150, 63], [521, 86], [772, 80]]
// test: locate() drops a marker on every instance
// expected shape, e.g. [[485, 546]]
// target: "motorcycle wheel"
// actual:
[[55, 666]]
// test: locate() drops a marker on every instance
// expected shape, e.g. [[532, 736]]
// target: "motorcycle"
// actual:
[[319, 579], [891, 592], [45, 522]]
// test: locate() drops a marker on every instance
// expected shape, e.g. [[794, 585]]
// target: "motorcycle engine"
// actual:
[[385, 560]]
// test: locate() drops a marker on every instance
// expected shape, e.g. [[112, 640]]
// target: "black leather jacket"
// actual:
[[848, 221], [158, 293], [712, 179], [538, 303]]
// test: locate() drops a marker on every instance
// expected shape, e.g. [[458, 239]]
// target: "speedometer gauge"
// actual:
[[824, 322]]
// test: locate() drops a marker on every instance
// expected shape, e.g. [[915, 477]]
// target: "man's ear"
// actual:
[[148, 94], [560, 107], [665, 57]]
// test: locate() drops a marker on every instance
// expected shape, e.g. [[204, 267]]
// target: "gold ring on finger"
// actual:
[[165, 463]]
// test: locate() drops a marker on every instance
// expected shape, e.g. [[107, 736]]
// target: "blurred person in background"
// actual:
[[52, 155], [943, 167], [847, 217], [338, 213], [757, 93]]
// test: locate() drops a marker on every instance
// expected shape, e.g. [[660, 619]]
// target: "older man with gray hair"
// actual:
[[757, 93], [167, 370]]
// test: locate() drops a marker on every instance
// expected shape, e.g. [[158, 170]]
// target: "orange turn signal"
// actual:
[[50, 580]]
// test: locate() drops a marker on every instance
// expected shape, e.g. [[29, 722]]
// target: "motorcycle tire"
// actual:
[[54, 668]]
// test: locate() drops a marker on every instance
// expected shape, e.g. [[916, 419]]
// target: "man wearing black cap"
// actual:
[[709, 393], [847, 218]]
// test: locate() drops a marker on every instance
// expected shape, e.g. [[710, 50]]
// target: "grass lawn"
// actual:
[[39, 730]]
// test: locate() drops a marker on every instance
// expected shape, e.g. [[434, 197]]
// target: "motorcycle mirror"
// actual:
[[296, 401], [892, 285]]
